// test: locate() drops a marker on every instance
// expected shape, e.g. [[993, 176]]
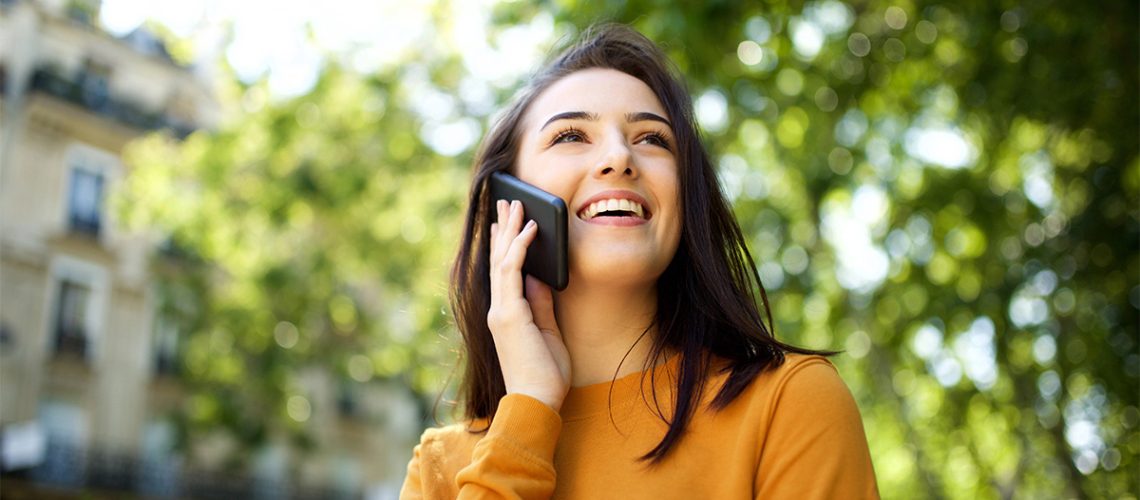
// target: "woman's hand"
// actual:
[[532, 355]]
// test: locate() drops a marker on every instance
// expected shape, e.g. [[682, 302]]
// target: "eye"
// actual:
[[569, 135], [656, 139]]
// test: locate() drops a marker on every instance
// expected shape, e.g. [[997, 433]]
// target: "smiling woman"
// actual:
[[654, 373], [616, 147]]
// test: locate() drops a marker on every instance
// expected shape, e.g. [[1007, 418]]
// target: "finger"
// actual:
[[510, 269], [541, 301], [500, 223], [515, 218], [493, 235], [508, 229], [516, 251]]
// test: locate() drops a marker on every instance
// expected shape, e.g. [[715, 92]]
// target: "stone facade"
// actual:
[[88, 375]]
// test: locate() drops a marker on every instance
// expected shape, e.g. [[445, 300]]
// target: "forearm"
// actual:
[[516, 457]]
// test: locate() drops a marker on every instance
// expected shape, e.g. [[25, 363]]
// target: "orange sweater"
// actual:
[[795, 432]]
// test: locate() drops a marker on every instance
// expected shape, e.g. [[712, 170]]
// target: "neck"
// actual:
[[600, 323]]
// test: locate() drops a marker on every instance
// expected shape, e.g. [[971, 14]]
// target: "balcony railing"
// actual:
[[71, 342], [167, 365], [88, 91], [67, 468], [85, 225]]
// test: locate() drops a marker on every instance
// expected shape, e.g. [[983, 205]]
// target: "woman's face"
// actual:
[[600, 140]]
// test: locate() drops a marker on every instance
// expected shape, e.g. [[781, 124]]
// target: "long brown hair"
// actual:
[[708, 296]]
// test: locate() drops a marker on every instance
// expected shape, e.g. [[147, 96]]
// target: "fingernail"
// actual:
[[531, 223]]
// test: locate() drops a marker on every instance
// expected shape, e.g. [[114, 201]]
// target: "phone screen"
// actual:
[[546, 258]]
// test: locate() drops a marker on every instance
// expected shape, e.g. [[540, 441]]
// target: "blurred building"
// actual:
[[89, 374]]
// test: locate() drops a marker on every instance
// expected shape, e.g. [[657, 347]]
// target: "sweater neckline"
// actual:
[[598, 399]]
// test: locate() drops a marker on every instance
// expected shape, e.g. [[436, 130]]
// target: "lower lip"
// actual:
[[618, 221]]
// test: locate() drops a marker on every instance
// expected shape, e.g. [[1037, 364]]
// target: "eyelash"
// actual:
[[567, 133], [657, 137]]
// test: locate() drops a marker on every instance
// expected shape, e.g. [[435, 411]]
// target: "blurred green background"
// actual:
[[945, 190]]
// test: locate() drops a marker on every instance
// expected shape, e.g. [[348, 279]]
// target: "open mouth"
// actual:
[[614, 207]]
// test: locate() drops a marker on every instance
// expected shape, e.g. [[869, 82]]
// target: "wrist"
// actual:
[[550, 400]]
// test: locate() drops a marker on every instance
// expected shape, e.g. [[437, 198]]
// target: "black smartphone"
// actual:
[[546, 258]]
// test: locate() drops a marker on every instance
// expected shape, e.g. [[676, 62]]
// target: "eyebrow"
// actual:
[[584, 115], [645, 115]]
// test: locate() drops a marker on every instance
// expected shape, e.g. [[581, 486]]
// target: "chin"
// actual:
[[628, 269]]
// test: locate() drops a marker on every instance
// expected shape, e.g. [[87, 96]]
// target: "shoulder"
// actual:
[[812, 442], [436, 460], [804, 401], [799, 371], [445, 450], [454, 439], [797, 366], [803, 431], [807, 385], [520, 442], [808, 376]]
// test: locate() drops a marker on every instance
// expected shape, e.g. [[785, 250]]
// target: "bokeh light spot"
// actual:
[[749, 52], [926, 32], [286, 334], [299, 408], [895, 17], [859, 44]]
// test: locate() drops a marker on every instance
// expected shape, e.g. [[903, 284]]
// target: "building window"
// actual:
[[159, 466], [346, 400], [71, 318], [165, 347], [85, 199], [64, 463]]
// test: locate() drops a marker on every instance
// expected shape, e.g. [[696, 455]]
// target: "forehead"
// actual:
[[596, 90]]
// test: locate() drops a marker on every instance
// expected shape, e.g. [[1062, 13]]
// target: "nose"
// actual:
[[616, 158]]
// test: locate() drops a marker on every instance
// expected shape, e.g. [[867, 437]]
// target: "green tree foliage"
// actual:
[[314, 232], [997, 356], [947, 190]]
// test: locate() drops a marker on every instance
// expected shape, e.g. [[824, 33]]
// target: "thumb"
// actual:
[[541, 301]]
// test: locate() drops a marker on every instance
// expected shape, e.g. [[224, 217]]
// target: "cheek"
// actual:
[[672, 190], [668, 188], [672, 233], [550, 177]]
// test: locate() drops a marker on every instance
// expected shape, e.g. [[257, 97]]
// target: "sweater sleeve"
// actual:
[[514, 460], [815, 446]]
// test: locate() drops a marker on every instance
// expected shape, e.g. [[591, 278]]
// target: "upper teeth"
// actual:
[[613, 205]]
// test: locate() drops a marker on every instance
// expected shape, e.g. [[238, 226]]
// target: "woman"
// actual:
[[653, 374]]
